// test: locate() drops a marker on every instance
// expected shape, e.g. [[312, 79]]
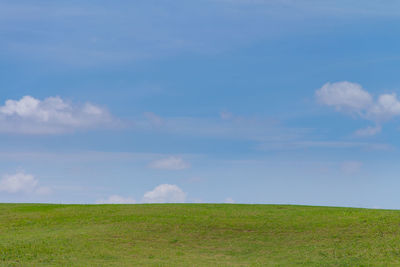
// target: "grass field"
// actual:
[[197, 235]]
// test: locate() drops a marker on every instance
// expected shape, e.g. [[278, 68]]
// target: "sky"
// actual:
[[221, 101]]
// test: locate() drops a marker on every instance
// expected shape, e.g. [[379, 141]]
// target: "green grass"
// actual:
[[197, 235]]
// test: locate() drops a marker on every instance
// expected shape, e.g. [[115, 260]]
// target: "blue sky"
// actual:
[[246, 101]]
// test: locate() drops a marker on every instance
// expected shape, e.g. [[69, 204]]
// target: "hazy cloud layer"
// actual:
[[170, 163], [229, 200], [96, 28], [226, 125], [369, 131], [115, 199], [366, 146]]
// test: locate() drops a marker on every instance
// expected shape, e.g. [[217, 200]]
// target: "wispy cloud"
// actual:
[[315, 8], [324, 145], [170, 163], [269, 133], [127, 32], [226, 125], [369, 131]]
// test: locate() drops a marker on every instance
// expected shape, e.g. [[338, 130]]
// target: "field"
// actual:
[[197, 235]]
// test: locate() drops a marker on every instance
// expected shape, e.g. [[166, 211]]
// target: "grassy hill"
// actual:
[[196, 235]]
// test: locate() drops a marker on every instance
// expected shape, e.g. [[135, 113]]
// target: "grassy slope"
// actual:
[[196, 235]]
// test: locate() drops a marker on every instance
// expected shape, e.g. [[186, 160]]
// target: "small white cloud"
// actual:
[[229, 200], [344, 96], [170, 163], [165, 193], [49, 116], [115, 199], [351, 167], [21, 182]]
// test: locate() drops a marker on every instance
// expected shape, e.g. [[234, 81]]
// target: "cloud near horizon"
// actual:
[[164, 193], [229, 200], [52, 115], [352, 98], [115, 199], [21, 182]]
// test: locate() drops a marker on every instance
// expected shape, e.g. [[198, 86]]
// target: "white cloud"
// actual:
[[21, 182], [170, 163], [165, 193], [385, 108], [345, 96], [49, 116], [351, 97], [351, 167], [229, 200], [115, 199]]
